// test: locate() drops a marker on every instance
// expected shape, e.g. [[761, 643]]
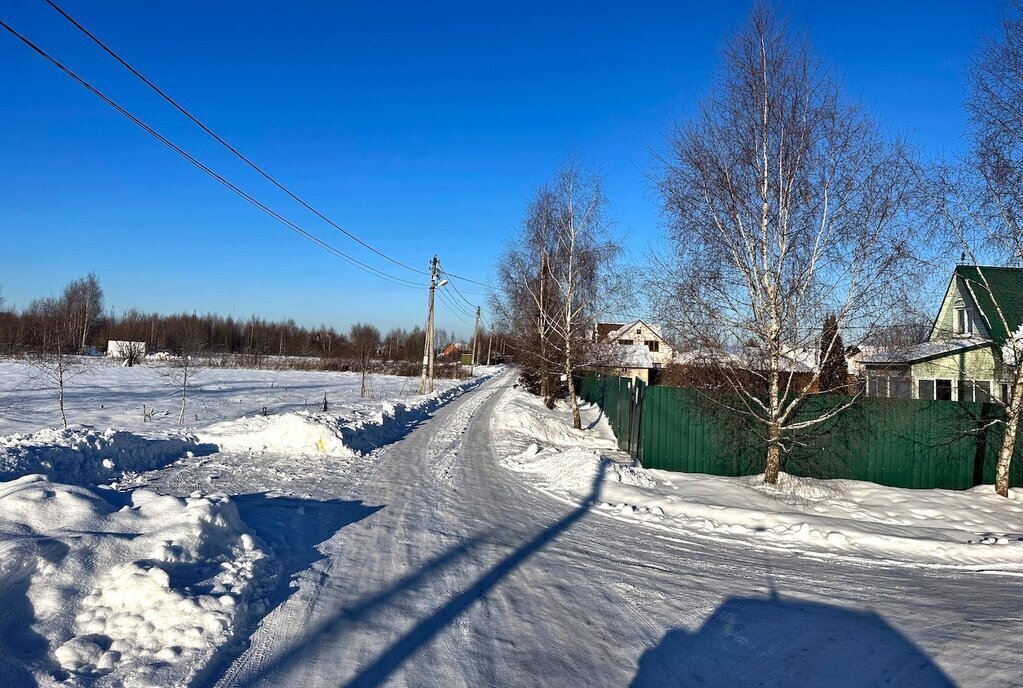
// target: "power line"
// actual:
[[466, 279], [451, 277], [225, 144], [448, 299], [471, 305], [170, 144], [454, 309]]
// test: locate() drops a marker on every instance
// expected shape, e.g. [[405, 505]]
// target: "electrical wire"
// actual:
[[455, 287], [224, 143], [466, 279], [454, 305], [453, 311], [155, 134]]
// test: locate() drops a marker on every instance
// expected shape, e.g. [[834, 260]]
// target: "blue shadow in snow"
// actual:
[[773, 643], [293, 528], [380, 669]]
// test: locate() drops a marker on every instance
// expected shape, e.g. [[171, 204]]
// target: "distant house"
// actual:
[[451, 352], [634, 349], [122, 349], [962, 358]]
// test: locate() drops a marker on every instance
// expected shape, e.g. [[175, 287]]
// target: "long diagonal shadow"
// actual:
[[335, 625], [383, 666]]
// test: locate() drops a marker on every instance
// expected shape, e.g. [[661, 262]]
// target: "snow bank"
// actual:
[[140, 594], [348, 431], [83, 456], [975, 528]]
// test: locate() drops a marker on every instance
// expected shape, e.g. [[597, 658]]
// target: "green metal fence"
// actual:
[[900, 443]]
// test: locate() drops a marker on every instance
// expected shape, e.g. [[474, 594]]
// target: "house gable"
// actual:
[[639, 333], [958, 296], [980, 288]]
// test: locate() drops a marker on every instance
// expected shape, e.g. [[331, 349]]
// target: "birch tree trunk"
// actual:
[[1005, 452]]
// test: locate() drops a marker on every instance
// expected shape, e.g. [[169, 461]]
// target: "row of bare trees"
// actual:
[[790, 213], [76, 321], [557, 274]]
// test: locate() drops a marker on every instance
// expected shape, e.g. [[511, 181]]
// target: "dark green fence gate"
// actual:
[[900, 443]]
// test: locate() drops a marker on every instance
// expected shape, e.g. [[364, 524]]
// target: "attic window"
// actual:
[[639, 330], [653, 345], [962, 322]]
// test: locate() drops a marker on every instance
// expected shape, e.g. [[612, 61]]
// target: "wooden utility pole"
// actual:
[[425, 386], [490, 347], [475, 337]]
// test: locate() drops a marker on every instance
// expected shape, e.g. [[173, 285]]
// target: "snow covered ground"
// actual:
[[112, 396], [974, 528], [425, 561], [129, 587]]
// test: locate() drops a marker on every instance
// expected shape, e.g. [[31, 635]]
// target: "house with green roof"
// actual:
[[962, 359]]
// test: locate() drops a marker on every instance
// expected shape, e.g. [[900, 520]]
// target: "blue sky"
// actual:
[[420, 128]]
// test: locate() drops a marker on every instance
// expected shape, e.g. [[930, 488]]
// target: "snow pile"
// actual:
[[82, 455], [300, 432], [141, 594], [974, 527], [347, 432]]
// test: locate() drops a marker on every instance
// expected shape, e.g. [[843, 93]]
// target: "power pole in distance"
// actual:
[[428, 353], [475, 337], [490, 347]]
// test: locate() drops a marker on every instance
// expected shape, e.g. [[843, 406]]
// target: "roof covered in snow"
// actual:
[[621, 331], [921, 352], [630, 356], [795, 361]]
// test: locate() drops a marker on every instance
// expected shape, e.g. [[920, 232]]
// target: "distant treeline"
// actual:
[[76, 322]]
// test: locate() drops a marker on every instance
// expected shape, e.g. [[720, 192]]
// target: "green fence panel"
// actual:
[[900, 443]]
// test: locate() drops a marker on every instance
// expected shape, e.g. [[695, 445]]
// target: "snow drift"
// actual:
[[349, 431], [82, 456], [974, 527], [138, 594]]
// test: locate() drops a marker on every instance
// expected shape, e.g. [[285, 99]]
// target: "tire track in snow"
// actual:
[[446, 444]]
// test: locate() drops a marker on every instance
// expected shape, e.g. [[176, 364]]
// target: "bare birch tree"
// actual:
[[183, 370], [526, 300], [785, 204], [56, 362], [581, 267], [556, 276], [980, 201], [365, 341]]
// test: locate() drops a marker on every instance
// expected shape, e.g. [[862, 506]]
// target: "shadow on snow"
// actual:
[[777, 643], [380, 669], [293, 528]]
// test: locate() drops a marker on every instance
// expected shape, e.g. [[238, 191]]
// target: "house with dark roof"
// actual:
[[962, 359]]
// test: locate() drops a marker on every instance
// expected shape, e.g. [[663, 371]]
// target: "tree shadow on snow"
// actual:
[[379, 670], [293, 528], [777, 643]]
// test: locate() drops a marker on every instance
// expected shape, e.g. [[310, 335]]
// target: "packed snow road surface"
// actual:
[[427, 563]]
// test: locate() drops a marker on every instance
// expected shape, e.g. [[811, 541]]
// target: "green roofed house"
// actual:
[[962, 358]]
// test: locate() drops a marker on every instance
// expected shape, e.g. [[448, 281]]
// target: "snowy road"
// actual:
[[431, 565]]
